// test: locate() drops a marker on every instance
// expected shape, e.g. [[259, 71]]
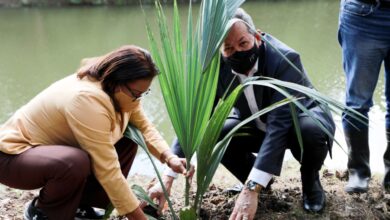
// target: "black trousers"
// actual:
[[239, 157]]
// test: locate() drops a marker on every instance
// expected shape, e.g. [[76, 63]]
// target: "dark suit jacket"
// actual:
[[279, 121]]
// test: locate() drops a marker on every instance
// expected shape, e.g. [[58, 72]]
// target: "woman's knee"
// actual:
[[74, 163]]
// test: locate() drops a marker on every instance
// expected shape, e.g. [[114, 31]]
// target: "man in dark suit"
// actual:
[[245, 54]]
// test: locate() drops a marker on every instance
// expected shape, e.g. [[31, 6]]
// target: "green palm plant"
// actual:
[[189, 77], [188, 82]]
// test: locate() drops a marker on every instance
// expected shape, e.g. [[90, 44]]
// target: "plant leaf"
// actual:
[[108, 211], [188, 213], [143, 195], [135, 135], [297, 128], [215, 22]]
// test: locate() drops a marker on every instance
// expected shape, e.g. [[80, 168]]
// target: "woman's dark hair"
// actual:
[[126, 64]]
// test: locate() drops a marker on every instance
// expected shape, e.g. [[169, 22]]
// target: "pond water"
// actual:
[[41, 45]]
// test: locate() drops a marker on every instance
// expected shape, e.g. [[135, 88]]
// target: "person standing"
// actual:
[[364, 36]]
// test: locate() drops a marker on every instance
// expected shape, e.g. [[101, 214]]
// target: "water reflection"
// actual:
[[39, 46]]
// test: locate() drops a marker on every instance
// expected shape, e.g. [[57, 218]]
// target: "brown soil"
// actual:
[[283, 201]]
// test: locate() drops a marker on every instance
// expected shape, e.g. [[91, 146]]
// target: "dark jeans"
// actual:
[[64, 174], [364, 35], [239, 158]]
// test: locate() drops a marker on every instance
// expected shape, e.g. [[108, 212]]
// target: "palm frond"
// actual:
[[135, 135], [216, 20]]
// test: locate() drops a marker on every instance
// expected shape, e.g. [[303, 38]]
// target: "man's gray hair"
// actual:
[[244, 16]]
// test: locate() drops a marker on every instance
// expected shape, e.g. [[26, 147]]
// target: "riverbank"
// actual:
[[283, 201]]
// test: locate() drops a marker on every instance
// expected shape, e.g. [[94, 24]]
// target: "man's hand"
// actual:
[[137, 214], [246, 205], [157, 194]]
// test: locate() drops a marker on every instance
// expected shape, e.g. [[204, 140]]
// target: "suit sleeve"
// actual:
[[279, 121]]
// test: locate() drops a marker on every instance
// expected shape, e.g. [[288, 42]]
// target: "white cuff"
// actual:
[[260, 177], [169, 172]]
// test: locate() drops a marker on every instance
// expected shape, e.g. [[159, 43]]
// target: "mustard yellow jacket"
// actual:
[[79, 113]]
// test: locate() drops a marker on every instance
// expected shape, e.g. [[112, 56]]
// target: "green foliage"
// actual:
[[108, 211], [189, 75], [188, 213], [143, 195], [189, 94]]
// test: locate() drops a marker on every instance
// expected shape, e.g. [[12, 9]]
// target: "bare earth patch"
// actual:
[[283, 201]]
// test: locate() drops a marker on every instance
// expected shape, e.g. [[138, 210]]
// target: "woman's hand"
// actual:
[[179, 166], [137, 214], [156, 192]]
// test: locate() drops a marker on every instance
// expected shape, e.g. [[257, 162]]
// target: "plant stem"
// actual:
[[164, 189], [187, 189], [198, 207], [196, 203]]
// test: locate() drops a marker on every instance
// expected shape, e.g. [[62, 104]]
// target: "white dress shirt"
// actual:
[[255, 175]]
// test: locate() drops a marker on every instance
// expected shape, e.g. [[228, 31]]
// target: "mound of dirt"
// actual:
[[284, 201]]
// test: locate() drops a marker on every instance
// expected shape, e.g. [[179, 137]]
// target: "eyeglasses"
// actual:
[[134, 94]]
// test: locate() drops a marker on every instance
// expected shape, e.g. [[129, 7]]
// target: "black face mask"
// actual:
[[243, 61]]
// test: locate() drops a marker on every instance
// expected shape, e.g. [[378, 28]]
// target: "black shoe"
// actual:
[[89, 213], [33, 213], [386, 160], [386, 178], [386, 186], [312, 193], [151, 211], [357, 184], [314, 198]]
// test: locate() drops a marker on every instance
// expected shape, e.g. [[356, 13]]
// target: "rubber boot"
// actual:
[[386, 160], [358, 161]]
